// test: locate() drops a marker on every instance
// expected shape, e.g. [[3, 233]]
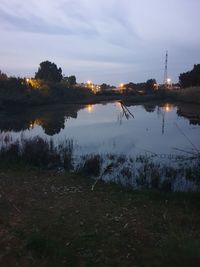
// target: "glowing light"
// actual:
[[27, 80], [168, 108], [90, 108], [121, 85], [155, 86], [169, 80], [89, 82]]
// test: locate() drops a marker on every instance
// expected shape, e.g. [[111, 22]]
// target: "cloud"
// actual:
[[36, 24], [69, 18], [114, 40]]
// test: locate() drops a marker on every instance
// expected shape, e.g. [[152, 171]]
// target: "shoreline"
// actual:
[[181, 96]]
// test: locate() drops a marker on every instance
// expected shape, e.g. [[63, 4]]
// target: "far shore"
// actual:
[[189, 95]]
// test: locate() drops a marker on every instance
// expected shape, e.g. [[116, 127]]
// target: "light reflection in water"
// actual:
[[90, 108], [36, 122], [145, 128], [167, 107]]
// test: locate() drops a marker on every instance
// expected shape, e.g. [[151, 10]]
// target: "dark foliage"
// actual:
[[72, 80], [3, 76], [39, 153], [150, 84], [92, 166], [49, 71], [20, 92], [190, 78], [106, 87], [134, 87]]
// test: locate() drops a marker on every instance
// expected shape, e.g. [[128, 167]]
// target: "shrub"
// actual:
[[92, 166]]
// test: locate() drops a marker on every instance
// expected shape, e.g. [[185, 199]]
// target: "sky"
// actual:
[[112, 41]]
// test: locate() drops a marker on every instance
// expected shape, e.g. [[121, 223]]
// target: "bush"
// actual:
[[92, 166]]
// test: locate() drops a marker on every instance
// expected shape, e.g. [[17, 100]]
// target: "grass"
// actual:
[[139, 173], [51, 219], [37, 152]]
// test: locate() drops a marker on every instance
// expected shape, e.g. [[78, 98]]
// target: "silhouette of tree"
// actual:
[[190, 78], [104, 86], [72, 80], [49, 71], [150, 84], [3, 76], [69, 81]]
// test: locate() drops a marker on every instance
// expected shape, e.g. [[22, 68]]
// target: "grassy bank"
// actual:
[[51, 219], [179, 173]]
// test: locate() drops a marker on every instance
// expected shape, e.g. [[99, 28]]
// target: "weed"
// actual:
[[92, 165]]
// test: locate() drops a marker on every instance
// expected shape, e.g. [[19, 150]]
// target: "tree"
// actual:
[[190, 78], [72, 80], [69, 81], [104, 86], [3, 76], [49, 71], [150, 84]]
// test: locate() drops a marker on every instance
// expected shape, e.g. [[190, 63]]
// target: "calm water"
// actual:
[[109, 128]]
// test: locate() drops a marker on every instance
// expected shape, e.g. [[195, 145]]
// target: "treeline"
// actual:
[[190, 78], [48, 86]]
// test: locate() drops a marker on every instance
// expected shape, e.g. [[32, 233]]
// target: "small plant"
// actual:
[[40, 153], [92, 166], [166, 185], [121, 159], [126, 172], [109, 168], [127, 175], [66, 152]]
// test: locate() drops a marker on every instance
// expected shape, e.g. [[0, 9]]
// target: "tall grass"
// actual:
[[39, 153], [138, 173]]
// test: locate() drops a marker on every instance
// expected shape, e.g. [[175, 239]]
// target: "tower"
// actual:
[[167, 81], [166, 70]]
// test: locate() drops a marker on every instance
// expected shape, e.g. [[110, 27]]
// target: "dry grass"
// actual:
[[57, 220]]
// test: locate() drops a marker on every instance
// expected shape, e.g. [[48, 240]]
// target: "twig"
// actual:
[[98, 179], [182, 150], [129, 112], [124, 112], [186, 137], [125, 109]]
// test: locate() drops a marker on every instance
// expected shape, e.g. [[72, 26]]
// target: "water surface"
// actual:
[[163, 129]]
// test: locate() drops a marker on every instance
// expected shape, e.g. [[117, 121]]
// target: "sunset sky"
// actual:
[[109, 41]]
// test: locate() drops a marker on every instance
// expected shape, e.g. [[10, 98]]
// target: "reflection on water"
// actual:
[[109, 128], [51, 119], [90, 108], [191, 112], [167, 107]]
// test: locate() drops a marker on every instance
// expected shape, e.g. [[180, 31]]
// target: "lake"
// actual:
[[163, 129]]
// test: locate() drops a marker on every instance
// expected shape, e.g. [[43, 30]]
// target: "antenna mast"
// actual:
[[166, 70]]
